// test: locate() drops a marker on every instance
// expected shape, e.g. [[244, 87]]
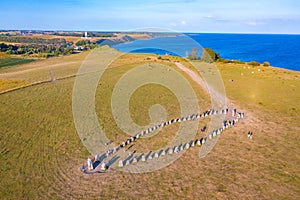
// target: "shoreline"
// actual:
[[297, 69], [245, 63]]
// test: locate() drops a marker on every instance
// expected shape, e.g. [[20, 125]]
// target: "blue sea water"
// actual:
[[280, 50]]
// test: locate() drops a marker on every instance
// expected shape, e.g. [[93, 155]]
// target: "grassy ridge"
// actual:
[[40, 151]]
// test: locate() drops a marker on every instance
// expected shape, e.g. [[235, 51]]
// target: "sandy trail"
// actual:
[[194, 76], [198, 80]]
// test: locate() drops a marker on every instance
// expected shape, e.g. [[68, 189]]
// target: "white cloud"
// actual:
[[221, 19], [178, 23], [251, 23], [254, 23], [209, 17]]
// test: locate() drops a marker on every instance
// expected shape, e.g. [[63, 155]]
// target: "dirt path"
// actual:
[[198, 80]]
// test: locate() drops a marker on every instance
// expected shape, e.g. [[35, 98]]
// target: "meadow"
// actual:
[[14, 61], [41, 152]]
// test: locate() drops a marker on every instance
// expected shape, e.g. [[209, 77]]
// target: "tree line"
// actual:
[[43, 47], [89, 34], [32, 40], [209, 55], [41, 50]]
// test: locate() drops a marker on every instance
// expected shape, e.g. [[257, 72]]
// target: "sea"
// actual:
[[279, 50]]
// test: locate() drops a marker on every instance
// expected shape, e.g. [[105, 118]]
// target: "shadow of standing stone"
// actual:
[[139, 157], [112, 161], [148, 155]]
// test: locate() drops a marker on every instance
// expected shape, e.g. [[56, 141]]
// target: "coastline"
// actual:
[[235, 53]]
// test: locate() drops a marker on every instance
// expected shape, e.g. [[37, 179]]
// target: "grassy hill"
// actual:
[[40, 151]]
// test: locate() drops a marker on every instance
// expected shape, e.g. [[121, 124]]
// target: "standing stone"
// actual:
[[127, 162], [181, 147], [103, 166], [123, 144], [115, 150], [214, 134], [134, 160], [193, 117], [199, 143], [163, 152], [193, 143], [156, 155], [143, 158], [132, 139], [187, 145], [107, 153], [121, 164], [90, 164], [150, 156], [170, 151], [176, 149]]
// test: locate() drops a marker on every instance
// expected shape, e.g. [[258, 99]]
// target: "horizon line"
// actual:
[[132, 31]]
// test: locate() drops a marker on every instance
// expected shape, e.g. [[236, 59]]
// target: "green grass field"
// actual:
[[41, 152], [6, 62]]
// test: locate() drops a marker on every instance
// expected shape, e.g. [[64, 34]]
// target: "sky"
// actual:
[[216, 16]]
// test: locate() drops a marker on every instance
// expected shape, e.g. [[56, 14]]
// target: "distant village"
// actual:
[[49, 43]]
